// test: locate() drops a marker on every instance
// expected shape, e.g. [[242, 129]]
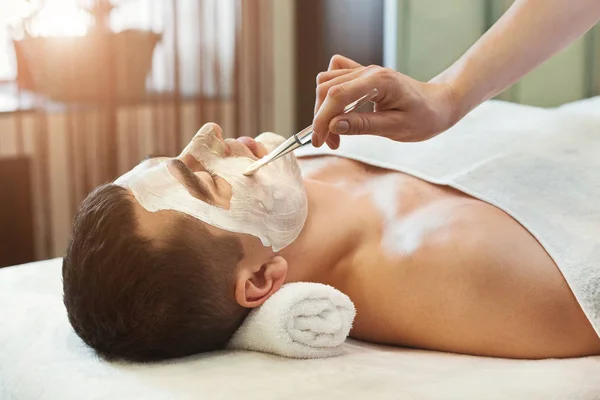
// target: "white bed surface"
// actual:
[[42, 358]]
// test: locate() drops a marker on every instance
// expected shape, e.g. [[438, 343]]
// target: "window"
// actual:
[[7, 67], [206, 34], [8, 11]]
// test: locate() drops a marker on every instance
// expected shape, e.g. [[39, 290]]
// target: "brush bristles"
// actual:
[[251, 170]]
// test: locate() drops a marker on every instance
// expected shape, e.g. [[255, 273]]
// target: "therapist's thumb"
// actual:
[[378, 123]]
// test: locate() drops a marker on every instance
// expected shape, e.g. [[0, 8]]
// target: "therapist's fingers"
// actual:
[[337, 98], [383, 123], [341, 62], [338, 66], [322, 79], [326, 76], [333, 141], [323, 88], [395, 125]]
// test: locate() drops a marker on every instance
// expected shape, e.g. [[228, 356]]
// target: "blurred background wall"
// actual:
[[423, 37], [88, 88]]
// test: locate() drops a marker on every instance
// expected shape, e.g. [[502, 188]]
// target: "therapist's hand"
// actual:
[[406, 110]]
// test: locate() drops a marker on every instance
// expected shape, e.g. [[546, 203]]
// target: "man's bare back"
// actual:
[[441, 270]]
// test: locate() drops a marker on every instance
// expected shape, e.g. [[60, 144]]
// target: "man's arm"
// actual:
[[529, 33]]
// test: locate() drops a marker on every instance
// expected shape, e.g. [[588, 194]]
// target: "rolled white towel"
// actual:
[[301, 320]]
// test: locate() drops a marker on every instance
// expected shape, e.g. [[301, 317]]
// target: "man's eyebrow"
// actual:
[[192, 183]]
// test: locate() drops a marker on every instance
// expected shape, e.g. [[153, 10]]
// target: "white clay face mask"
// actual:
[[270, 205]]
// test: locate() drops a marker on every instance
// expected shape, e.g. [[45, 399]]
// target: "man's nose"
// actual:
[[215, 128]]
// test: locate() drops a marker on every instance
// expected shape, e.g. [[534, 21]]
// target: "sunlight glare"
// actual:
[[60, 18]]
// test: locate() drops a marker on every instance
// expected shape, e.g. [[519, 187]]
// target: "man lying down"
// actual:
[[169, 260]]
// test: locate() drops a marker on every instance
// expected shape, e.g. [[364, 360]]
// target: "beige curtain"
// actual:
[[254, 67]]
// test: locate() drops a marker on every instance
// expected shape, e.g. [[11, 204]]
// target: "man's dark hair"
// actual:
[[137, 298]]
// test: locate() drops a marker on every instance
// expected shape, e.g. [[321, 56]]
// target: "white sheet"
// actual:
[[41, 358]]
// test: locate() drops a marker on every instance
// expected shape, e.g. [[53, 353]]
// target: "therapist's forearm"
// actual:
[[530, 32]]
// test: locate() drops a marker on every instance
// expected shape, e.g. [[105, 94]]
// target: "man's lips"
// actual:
[[256, 148]]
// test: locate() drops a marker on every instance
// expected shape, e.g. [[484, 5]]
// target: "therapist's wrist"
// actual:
[[460, 95], [445, 104]]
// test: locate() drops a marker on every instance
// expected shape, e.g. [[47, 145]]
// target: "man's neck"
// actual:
[[331, 234]]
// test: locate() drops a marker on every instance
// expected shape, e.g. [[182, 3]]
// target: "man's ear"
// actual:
[[254, 286]]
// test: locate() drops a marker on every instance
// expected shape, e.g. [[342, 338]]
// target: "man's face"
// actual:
[[206, 181]]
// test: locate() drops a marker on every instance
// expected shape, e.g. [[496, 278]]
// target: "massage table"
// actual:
[[41, 358]]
